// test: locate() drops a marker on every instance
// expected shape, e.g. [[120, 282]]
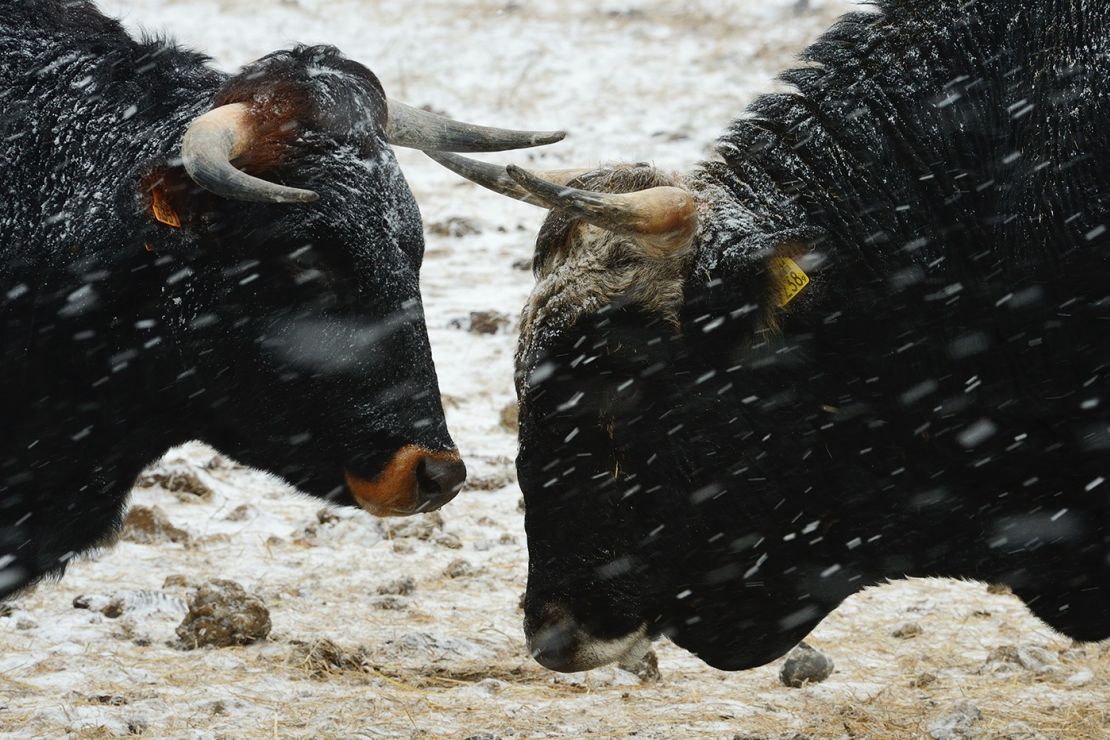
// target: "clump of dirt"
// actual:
[[180, 480], [178, 580], [907, 631], [322, 658], [1015, 658], [422, 527], [390, 604], [459, 569], [454, 226], [482, 322], [219, 462], [956, 723], [492, 482], [400, 587], [222, 614], [150, 525], [449, 541], [115, 605], [510, 417], [805, 665], [923, 680], [240, 513], [645, 668]]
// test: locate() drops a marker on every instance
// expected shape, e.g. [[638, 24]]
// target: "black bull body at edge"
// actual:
[[187, 254], [871, 340]]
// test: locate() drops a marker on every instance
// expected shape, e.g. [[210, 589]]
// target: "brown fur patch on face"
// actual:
[[278, 111], [395, 492], [580, 268]]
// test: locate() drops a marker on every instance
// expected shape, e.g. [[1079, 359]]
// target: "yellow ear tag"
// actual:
[[790, 279]]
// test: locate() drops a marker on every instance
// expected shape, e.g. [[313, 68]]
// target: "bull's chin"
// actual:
[[386, 512], [579, 651], [382, 506]]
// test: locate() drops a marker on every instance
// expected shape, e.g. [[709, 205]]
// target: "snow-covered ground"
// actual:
[[629, 79]]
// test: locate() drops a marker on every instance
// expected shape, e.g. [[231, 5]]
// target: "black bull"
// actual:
[[727, 467], [284, 326]]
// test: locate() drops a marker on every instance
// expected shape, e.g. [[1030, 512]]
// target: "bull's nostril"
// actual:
[[439, 480]]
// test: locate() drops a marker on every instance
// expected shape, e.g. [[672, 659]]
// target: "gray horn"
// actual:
[[418, 129], [216, 138], [495, 178], [662, 219]]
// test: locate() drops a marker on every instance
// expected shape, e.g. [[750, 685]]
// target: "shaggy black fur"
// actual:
[[290, 337], [936, 402]]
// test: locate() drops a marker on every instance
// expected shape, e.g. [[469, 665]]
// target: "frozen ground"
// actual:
[[630, 79]]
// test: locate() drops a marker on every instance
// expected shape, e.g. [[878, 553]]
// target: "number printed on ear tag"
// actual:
[[791, 279]]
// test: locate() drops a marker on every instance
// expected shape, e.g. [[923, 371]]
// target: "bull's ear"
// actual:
[[170, 199], [751, 282]]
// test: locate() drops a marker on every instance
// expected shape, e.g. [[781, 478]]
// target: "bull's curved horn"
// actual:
[[495, 178], [216, 138], [418, 129], [663, 219]]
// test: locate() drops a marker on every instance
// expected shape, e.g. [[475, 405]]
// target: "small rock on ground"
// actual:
[[805, 665]]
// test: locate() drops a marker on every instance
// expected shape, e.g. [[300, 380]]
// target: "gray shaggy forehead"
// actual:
[[560, 227], [580, 268]]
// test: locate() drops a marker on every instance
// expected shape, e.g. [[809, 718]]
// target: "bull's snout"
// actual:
[[415, 481], [439, 480], [557, 642]]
